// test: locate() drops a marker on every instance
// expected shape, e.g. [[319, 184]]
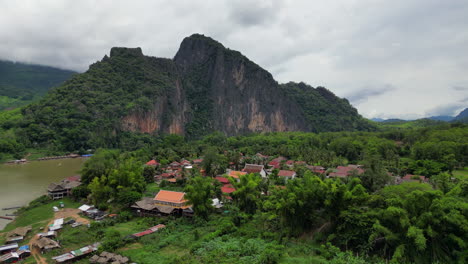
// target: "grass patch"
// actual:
[[461, 174], [39, 215]]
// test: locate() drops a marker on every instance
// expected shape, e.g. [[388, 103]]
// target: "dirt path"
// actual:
[[63, 213]]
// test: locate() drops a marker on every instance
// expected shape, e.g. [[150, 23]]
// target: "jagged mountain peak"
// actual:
[[206, 87]]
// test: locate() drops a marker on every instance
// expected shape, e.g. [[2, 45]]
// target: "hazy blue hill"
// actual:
[[462, 116], [20, 83], [441, 118]]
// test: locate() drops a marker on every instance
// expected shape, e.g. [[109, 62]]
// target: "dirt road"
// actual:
[[63, 213]]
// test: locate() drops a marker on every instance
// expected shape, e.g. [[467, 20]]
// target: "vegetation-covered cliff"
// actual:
[[205, 88]]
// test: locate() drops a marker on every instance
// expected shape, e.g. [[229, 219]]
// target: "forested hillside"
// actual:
[[205, 88], [20, 83]]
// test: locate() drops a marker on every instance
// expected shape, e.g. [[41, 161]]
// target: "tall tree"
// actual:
[[199, 193], [214, 163], [247, 192]]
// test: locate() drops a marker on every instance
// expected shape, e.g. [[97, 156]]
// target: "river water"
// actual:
[[22, 183]]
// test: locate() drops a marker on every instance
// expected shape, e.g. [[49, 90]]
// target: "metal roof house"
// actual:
[[64, 188]]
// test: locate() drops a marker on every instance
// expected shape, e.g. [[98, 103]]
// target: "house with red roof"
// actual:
[[289, 163], [276, 162], [287, 174], [185, 163], [236, 174], [346, 171], [255, 168], [152, 163], [197, 161], [164, 203], [174, 165], [171, 198], [222, 180], [413, 178], [260, 155], [227, 190], [317, 169]]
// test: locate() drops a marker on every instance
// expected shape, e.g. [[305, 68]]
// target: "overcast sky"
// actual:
[[391, 59]]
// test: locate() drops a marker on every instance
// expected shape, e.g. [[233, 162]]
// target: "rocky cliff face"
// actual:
[[213, 88], [242, 97], [204, 88]]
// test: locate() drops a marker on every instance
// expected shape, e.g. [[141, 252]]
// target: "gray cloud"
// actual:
[[366, 93], [452, 109], [459, 88], [252, 13], [418, 46]]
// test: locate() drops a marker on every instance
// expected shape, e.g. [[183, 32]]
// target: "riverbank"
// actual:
[[23, 183], [184, 240]]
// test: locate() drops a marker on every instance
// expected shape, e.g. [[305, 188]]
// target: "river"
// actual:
[[22, 183]]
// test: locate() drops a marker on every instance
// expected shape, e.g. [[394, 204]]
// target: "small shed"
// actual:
[[45, 244], [8, 248], [11, 257], [20, 231], [14, 239]]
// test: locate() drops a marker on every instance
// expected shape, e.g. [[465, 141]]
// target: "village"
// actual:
[[168, 201]]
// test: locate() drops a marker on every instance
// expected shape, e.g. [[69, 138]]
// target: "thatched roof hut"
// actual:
[[20, 231], [45, 243]]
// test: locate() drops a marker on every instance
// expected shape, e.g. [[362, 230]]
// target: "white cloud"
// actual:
[[354, 48]]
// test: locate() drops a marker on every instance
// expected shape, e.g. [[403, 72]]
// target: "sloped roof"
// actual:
[[165, 209], [275, 164], [70, 184], [286, 173], [46, 243], [152, 163], [227, 190], [222, 179], [345, 171], [20, 231], [237, 174], [170, 196], [146, 203], [74, 178], [11, 255], [253, 168], [85, 207], [9, 246], [54, 187]]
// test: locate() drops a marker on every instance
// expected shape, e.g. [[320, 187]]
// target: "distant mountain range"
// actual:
[[21, 83], [461, 117]]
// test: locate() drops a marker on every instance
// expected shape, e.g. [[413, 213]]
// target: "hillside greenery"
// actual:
[[22, 83], [360, 219], [325, 111], [88, 110]]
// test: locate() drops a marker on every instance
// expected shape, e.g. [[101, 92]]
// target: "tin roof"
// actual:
[[9, 247]]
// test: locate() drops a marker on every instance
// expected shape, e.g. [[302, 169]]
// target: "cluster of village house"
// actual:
[[174, 203], [164, 203], [43, 241], [11, 252]]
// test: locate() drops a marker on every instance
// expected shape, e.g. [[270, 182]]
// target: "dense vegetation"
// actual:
[[21, 83], [365, 218], [89, 110], [324, 110]]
